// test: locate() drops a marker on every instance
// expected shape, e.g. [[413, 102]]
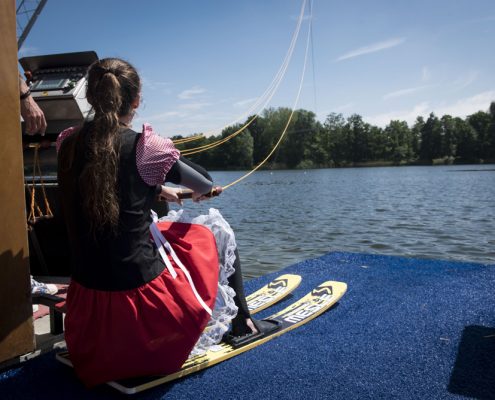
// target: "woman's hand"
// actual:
[[197, 197], [170, 194]]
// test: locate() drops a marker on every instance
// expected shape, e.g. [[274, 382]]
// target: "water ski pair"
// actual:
[[310, 306]]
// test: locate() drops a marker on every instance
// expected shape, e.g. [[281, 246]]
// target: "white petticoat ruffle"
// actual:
[[225, 309]]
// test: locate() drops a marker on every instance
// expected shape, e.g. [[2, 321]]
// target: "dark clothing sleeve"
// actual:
[[186, 173]]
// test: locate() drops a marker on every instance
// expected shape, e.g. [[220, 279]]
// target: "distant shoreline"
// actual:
[[371, 164]]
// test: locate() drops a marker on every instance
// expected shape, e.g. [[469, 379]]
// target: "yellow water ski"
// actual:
[[298, 313], [270, 294]]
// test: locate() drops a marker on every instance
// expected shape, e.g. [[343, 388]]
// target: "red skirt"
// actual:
[[149, 330]]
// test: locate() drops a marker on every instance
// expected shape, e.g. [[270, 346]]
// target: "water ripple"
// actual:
[[282, 217]]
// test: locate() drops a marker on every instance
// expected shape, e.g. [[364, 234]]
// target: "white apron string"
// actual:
[[161, 244]]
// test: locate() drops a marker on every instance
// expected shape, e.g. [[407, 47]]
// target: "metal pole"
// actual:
[[31, 21]]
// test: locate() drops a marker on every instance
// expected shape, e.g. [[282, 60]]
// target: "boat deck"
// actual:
[[406, 328]]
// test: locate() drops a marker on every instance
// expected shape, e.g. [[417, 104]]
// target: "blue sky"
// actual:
[[204, 63]]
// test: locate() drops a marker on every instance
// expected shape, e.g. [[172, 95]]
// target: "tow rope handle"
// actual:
[[187, 194]]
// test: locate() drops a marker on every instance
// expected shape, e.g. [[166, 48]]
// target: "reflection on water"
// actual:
[[282, 217]]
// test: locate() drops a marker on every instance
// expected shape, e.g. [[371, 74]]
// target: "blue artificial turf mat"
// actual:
[[406, 329]]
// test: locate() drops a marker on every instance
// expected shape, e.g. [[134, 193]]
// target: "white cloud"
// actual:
[[403, 92], [160, 117], [243, 103], [152, 84], [402, 115], [187, 124], [460, 108], [184, 122], [468, 105], [342, 107], [191, 93], [425, 74], [387, 44], [194, 106]]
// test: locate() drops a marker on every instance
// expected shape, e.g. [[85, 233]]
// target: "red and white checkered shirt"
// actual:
[[155, 154]]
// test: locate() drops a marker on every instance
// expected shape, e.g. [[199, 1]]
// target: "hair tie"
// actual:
[[104, 70]]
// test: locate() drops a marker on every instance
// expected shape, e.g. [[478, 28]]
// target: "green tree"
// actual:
[[300, 144], [257, 130], [237, 152], [357, 138], [467, 141], [416, 135], [449, 136], [481, 122], [276, 120], [333, 139], [398, 141], [204, 158], [377, 144], [316, 151], [431, 139], [340, 142], [491, 133]]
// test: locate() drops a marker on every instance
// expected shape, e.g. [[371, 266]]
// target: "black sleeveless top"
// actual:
[[109, 261]]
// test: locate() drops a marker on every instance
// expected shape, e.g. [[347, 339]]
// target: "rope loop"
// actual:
[[35, 211]]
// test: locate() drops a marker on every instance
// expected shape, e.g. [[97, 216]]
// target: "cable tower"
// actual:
[[26, 13]]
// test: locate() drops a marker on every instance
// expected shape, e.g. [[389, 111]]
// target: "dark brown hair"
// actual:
[[113, 85]]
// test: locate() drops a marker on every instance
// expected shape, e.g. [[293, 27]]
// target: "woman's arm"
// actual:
[[31, 113], [186, 173]]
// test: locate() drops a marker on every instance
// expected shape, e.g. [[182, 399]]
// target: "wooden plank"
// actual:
[[16, 323]]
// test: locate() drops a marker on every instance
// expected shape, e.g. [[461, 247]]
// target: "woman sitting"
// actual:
[[137, 306]]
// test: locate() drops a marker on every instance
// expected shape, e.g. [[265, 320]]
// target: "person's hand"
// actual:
[[170, 194], [33, 116], [197, 197]]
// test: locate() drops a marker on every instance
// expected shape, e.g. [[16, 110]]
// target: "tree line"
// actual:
[[342, 142]]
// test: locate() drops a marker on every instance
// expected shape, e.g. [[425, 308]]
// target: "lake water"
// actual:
[[282, 217]]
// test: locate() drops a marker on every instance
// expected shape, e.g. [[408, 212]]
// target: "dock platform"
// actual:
[[407, 328]]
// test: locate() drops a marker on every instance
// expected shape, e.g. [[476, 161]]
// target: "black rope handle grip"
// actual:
[[187, 194]]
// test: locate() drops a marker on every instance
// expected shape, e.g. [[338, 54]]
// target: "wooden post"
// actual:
[[16, 314]]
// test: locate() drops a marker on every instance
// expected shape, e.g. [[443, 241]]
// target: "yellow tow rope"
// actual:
[[290, 116]]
